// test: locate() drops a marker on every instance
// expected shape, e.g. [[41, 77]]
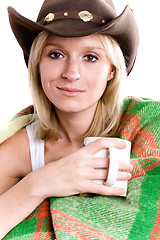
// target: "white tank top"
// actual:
[[36, 146]]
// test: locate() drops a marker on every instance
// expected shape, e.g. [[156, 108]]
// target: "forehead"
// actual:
[[91, 40]]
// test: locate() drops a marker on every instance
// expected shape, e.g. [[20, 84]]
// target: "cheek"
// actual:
[[49, 73], [42, 72], [100, 77], [46, 74], [100, 81]]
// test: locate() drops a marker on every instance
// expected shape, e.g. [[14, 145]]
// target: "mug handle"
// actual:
[[113, 166]]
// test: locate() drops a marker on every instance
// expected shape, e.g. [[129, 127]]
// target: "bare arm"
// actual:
[[16, 204], [15, 197], [70, 175]]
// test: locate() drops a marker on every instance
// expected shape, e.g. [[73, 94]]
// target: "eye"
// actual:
[[91, 58], [56, 55]]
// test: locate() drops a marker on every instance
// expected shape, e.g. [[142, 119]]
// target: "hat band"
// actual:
[[85, 16]]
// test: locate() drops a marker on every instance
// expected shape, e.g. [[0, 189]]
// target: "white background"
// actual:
[[144, 80]]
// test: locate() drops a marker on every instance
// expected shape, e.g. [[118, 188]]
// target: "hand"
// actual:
[[75, 173]]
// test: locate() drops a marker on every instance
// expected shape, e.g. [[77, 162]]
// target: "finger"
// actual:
[[123, 176], [125, 166], [105, 143], [102, 174], [99, 162], [104, 190], [96, 174]]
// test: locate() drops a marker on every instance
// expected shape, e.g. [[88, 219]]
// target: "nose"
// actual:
[[71, 71]]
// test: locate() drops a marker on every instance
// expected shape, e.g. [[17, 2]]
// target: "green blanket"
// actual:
[[90, 216]]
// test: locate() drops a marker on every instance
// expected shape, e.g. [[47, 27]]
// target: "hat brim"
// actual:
[[123, 29]]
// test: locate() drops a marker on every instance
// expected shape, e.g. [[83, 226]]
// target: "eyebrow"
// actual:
[[87, 47]]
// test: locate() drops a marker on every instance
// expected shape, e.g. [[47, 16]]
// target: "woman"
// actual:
[[77, 56]]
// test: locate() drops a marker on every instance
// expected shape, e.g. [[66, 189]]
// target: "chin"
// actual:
[[71, 109]]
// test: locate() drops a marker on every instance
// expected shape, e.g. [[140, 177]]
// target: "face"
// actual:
[[74, 72]]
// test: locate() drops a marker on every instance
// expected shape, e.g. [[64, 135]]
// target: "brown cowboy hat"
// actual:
[[77, 18]]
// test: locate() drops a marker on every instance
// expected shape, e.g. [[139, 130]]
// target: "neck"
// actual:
[[74, 126]]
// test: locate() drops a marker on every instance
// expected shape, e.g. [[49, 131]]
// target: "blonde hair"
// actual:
[[109, 108]]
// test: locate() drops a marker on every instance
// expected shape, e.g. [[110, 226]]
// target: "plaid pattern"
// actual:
[[37, 226], [89, 216], [28, 110]]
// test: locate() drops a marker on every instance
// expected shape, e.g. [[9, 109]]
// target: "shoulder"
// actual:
[[15, 160], [15, 156]]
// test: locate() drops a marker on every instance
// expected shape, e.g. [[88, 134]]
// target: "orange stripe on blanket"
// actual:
[[133, 102], [144, 145], [48, 229], [72, 232], [48, 237], [80, 224], [138, 164], [41, 213], [79, 229], [156, 228], [42, 209], [26, 111], [130, 129], [143, 170], [135, 161]]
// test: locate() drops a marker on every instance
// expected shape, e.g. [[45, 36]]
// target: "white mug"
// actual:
[[115, 156]]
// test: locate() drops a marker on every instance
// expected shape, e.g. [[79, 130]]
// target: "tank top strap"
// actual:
[[36, 146]]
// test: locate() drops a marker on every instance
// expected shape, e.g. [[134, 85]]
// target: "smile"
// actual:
[[70, 92]]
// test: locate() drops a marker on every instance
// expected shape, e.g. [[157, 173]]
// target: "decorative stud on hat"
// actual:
[[78, 18]]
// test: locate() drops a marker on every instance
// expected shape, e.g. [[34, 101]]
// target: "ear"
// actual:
[[111, 75]]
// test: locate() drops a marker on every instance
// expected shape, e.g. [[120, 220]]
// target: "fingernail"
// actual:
[[122, 191], [130, 167], [129, 175], [123, 144]]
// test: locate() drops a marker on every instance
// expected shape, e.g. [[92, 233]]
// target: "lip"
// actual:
[[70, 92]]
